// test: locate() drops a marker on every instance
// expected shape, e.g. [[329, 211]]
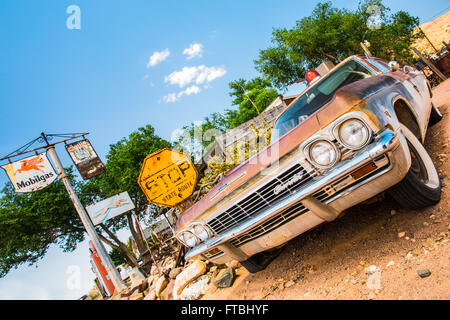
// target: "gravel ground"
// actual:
[[374, 251]]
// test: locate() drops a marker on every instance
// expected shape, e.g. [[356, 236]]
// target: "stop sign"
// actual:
[[167, 177]]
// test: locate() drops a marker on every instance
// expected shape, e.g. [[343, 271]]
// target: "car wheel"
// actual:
[[421, 186], [435, 116]]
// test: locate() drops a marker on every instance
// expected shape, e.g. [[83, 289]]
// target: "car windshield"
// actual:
[[318, 96]]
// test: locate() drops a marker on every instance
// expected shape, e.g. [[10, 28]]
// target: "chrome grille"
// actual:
[[260, 199], [270, 224]]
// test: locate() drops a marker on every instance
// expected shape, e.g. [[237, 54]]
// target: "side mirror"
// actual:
[[394, 66]]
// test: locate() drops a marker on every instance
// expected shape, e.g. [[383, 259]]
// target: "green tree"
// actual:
[[252, 97], [333, 34], [31, 222], [118, 257]]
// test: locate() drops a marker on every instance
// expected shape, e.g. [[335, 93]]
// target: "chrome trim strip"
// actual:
[[384, 142]]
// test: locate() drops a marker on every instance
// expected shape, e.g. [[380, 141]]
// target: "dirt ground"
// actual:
[[330, 261]]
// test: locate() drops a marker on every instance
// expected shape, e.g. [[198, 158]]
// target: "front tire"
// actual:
[[421, 186], [260, 261], [435, 115]]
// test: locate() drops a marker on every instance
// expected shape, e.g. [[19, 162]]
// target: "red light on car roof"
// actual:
[[311, 75]]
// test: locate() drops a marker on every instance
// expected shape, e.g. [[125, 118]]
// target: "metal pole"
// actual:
[[106, 260], [168, 222], [145, 240]]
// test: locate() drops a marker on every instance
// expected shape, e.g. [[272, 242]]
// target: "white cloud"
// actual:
[[199, 75], [189, 91], [194, 50], [158, 57], [173, 97]]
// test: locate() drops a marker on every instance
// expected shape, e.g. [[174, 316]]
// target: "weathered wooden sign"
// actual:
[[167, 177], [31, 174], [85, 159], [110, 208]]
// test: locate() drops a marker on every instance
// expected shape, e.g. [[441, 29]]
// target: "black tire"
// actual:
[[421, 186], [435, 116], [260, 261]]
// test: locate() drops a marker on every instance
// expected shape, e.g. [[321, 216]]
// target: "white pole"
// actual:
[[106, 259]]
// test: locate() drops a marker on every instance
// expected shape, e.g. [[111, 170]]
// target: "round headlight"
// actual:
[[201, 231], [188, 238], [323, 154], [353, 134]]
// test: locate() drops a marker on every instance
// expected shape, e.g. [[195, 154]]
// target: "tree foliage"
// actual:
[[333, 34], [196, 138], [31, 222], [248, 94]]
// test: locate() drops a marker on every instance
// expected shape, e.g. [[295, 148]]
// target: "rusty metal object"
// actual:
[[376, 100]]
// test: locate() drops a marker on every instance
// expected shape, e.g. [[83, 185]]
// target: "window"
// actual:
[[319, 95]]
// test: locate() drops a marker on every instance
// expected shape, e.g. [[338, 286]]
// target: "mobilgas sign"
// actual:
[[31, 174]]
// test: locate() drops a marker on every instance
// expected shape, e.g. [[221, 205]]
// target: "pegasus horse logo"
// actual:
[[32, 164]]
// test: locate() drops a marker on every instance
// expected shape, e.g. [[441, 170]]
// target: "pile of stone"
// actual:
[[190, 282]]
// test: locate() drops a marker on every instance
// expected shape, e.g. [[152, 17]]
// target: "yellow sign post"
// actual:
[[167, 177]]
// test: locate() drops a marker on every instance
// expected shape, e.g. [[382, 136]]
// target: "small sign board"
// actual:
[[110, 208], [167, 177], [85, 159], [31, 174]]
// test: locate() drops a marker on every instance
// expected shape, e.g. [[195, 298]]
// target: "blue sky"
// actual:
[[132, 63]]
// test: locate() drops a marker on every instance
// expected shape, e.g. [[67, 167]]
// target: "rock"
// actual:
[[409, 255], [143, 286], [423, 273], [428, 243], [166, 294], [372, 269], [297, 277], [168, 265], [160, 285], [151, 295], [125, 292], [154, 270], [136, 295], [196, 288], [136, 276], [401, 234], [193, 271], [151, 280], [393, 212], [213, 269], [233, 264], [289, 284], [225, 278], [390, 263], [175, 272]]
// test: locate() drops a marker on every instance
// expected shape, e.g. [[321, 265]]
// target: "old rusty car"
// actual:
[[353, 133]]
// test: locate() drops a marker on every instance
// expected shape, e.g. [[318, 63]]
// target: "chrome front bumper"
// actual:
[[389, 143]]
